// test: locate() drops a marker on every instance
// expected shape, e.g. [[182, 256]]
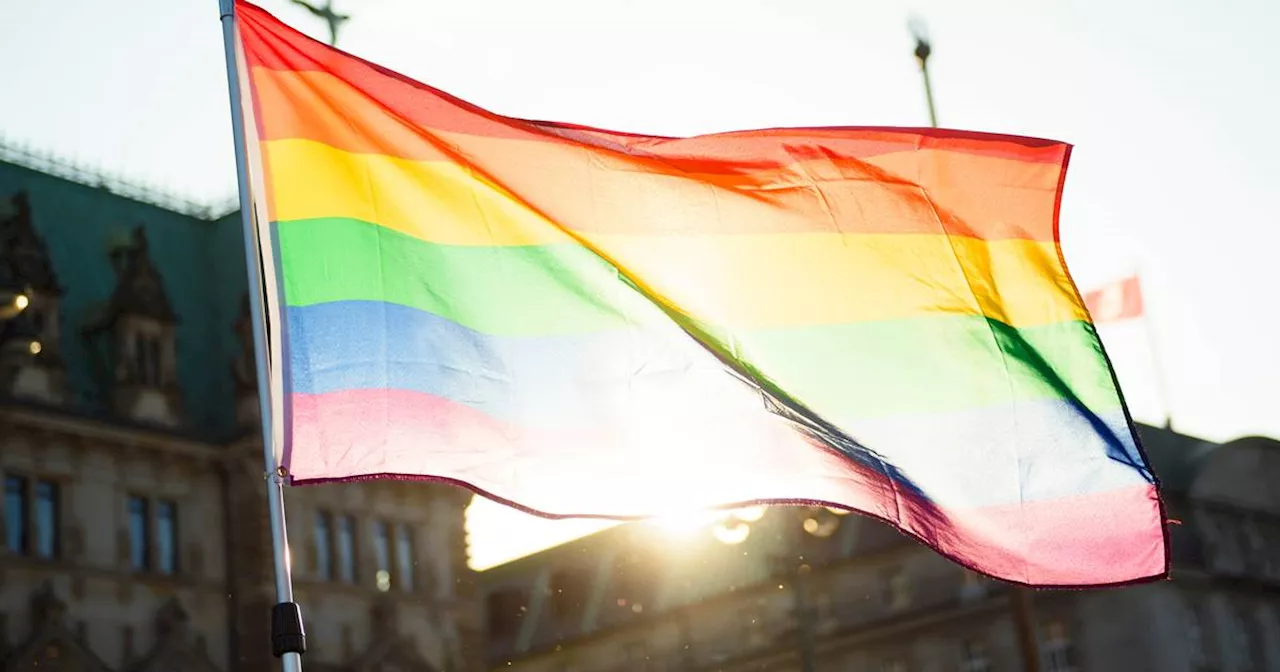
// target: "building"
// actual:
[[765, 589], [134, 511]]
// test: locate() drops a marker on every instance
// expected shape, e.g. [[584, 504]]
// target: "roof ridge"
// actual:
[[67, 169]]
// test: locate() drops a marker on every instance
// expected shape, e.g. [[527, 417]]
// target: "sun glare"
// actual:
[[499, 534]]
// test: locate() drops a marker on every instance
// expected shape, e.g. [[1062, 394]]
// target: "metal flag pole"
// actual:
[[923, 50], [288, 640], [1020, 596]]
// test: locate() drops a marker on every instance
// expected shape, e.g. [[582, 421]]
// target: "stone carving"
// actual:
[[52, 645], [390, 651], [176, 647]]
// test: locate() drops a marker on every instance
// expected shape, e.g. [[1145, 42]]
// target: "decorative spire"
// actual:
[[139, 287], [24, 258], [330, 17]]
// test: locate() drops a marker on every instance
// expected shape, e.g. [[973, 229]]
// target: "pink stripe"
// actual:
[[675, 463]]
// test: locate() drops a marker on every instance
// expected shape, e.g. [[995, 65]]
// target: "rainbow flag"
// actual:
[[582, 322]]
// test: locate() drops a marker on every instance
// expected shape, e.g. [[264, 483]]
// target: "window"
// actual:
[[153, 542], [404, 557], [140, 359], [48, 514], [148, 359], [323, 539], [16, 517], [382, 555], [336, 556], [1059, 654], [167, 537], [973, 656], [346, 549], [139, 534], [153, 356], [33, 517]]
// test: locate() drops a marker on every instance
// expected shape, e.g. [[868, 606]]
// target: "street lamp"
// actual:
[[923, 50], [14, 301]]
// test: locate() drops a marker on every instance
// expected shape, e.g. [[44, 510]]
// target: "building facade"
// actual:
[[809, 590], [133, 520]]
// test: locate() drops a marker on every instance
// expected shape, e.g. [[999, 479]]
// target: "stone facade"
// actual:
[[768, 589], [134, 519]]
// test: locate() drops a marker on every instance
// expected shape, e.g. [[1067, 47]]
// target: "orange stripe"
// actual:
[[810, 189]]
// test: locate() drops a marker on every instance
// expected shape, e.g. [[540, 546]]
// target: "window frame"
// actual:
[[348, 571], [147, 536], [153, 560], [175, 543], [31, 538], [405, 559]]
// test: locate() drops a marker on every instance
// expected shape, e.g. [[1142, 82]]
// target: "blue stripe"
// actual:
[[1030, 449]]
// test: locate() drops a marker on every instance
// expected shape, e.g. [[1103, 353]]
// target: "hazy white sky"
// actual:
[[1171, 106]]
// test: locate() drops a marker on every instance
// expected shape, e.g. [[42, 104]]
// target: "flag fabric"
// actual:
[[1115, 301], [584, 322]]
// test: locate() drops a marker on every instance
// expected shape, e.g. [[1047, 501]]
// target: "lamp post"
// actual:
[[923, 50], [1020, 596]]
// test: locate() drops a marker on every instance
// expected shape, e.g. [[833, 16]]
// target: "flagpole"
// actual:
[[288, 639], [1020, 597]]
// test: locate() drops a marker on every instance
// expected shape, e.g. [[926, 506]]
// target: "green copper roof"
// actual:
[[201, 262]]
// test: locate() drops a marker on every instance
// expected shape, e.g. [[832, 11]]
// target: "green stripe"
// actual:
[[919, 364], [929, 364], [515, 290]]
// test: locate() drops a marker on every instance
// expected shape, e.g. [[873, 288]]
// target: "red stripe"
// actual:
[[1093, 539], [273, 45]]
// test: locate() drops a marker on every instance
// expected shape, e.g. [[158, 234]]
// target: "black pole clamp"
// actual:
[[287, 635]]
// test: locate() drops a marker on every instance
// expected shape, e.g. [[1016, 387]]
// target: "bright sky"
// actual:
[[1171, 106]]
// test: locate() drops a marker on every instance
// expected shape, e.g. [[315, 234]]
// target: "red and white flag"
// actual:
[[1119, 300]]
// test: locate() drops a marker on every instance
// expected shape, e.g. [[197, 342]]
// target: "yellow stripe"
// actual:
[[762, 281], [432, 200], [748, 281]]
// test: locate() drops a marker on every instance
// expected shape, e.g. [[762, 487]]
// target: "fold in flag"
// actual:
[[582, 322], [1115, 301]]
